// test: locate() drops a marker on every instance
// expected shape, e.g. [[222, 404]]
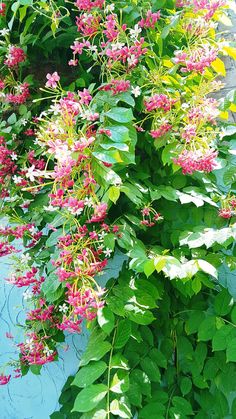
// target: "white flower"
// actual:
[[93, 48], [50, 208], [24, 121], [134, 33], [132, 60], [55, 109], [102, 235], [17, 179], [136, 91], [33, 230], [4, 32], [63, 308], [88, 202], [109, 8], [47, 351], [62, 153], [13, 156], [185, 106], [25, 258], [107, 252], [117, 46], [75, 211], [101, 247], [31, 173], [27, 295]]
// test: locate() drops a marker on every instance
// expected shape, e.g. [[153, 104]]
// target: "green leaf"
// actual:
[[219, 341], [119, 361], [35, 369], [106, 319], [231, 351], [151, 369], [96, 348], [168, 192], [223, 302], [149, 267], [120, 408], [153, 410], [88, 374], [207, 328], [182, 406], [122, 115], [140, 377], [193, 322], [120, 382], [122, 334], [185, 385], [89, 398], [207, 267], [114, 193]]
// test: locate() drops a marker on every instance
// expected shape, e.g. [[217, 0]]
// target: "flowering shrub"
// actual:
[[111, 148]]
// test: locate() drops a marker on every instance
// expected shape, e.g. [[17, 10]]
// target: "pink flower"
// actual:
[[15, 56], [191, 161], [162, 130], [150, 20], [52, 80], [159, 102], [4, 379], [225, 213]]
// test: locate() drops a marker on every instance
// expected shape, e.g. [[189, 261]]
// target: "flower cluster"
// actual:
[[192, 161], [198, 59], [15, 56], [228, 208]]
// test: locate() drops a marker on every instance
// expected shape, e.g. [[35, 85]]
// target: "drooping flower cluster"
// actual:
[[198, 59], [194, 161], [15, 56], [228, 207]]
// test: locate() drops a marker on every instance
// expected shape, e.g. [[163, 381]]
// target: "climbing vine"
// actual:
[[117, 157]]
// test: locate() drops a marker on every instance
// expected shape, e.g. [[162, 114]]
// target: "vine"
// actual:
[[117, 157]]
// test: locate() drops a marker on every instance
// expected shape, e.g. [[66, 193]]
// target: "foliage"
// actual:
[[122, 155]]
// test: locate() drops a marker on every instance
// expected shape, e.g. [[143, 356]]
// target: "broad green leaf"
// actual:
[[122, 334], [182, 405], [223, 302], [114, 193], [122, 115], [119, 361], [120, 382], [152, 410], [96, 348], [141, 378], [231, 350], [121, 408], [185, 385], [207, 267], [106, 319], [88, 374], [207, 328], [89, 397], [219, 341], [151, 369]]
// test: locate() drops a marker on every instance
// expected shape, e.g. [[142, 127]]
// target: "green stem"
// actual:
[[109, 372]]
